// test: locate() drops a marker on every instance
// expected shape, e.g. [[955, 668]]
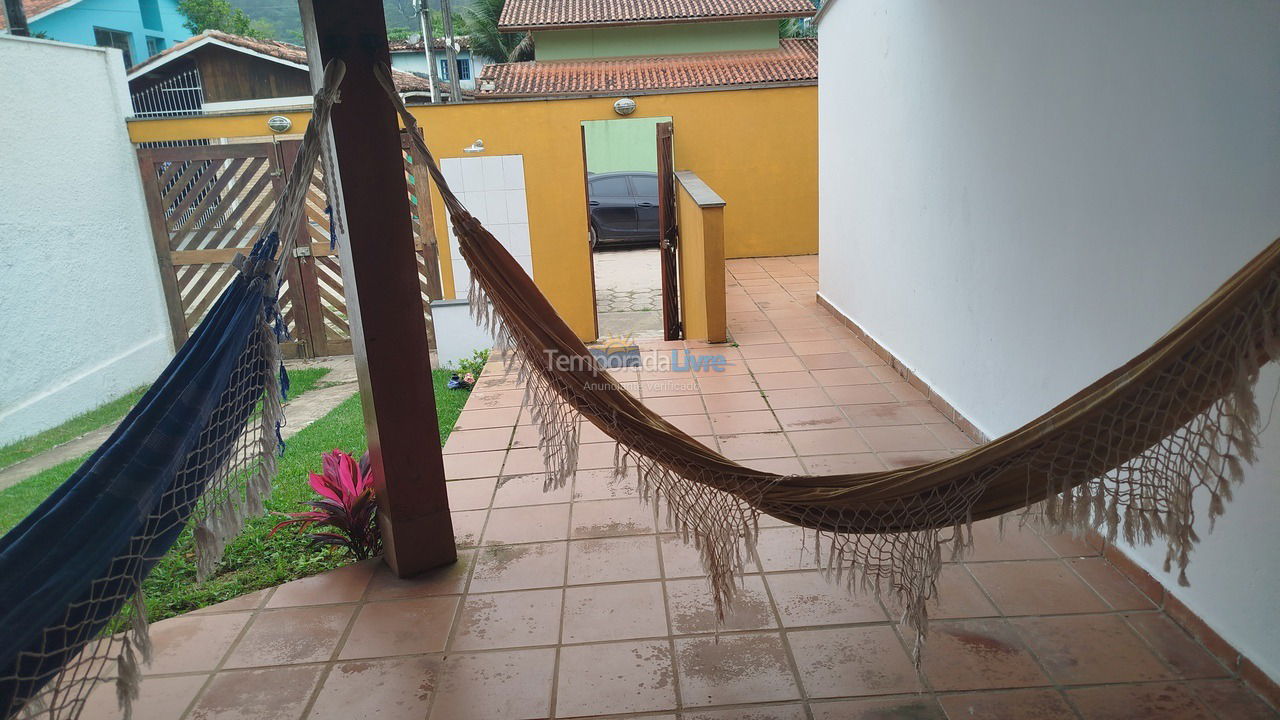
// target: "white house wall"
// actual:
[[1019, 195], [82, 317]]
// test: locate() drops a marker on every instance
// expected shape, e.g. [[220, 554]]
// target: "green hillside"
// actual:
[[283, 15]]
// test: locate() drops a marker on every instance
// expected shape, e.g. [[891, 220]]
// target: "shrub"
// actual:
[[347, 505]]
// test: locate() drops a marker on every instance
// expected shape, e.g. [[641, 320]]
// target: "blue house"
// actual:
[[139, 28]]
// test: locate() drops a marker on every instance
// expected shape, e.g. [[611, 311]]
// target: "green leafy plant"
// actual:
[[221, 15], [474, 364], [347, 505]]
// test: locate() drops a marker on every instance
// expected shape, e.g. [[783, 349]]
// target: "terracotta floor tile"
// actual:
[[1173, 645], [676, 405], [817, 347], [525, 461], [794, 335], [510, 685], [1232, 700], [755, 445], [535, 523], [693, 610], [468, 526], [159, 698], [595, 613], [681, 384], [789, 711], [811, 397], [596, 456], [735, 402], [844, 662], [519, 567], [508, 620], [809, 598], [1139, 702], [895, 460], [447, 580], [401, 627], [727, 384], [343, 585], [615, 678], [1070, 546], [1014, 543], [977, 655], [473, 465], [765, 350], [680, 559], [619, 559], [880, 415], [785, 380], [475, 494], [693, 424], [753, 421], [860, 395], [756, 338], [832, 441], [959, 596], [466, 441], [737, 669], [267, 694], [951, 437], [611, 518], [845, 376], [829, 361], [838, 464], [905, 707], [489, 399], [1114, 588], [904, 392], [1009, 705], [781, 466], [900, 438], [398, 689], [477, 418], [291, 636], [1040, 587], [815, 418], [250, 601], [1085, 649], [517, 490], [789, 548], [604, 484], [193, 643]]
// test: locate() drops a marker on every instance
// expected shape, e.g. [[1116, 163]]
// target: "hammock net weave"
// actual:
[[1128, 454], [198, 451]]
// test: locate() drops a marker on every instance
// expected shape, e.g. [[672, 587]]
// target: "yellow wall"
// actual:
[[701, 250], [757, 148]]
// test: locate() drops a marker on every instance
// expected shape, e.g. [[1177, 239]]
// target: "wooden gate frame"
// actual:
[[669, 234]]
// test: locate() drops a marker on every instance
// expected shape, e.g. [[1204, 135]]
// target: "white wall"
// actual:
[[1019, 195], [82, 316]]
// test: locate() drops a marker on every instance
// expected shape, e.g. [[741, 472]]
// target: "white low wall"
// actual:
[[82, 316], [457, 335], [1019, 195]]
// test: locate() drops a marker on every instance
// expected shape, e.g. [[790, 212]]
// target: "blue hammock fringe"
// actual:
[[74, 563]]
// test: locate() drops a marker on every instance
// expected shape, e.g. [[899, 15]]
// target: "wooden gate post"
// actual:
[[380, 279]]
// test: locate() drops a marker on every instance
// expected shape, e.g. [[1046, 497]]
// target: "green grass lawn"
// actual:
[[18, 501], [253, 561]]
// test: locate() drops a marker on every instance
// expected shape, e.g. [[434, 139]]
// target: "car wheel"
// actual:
[[595, 237]]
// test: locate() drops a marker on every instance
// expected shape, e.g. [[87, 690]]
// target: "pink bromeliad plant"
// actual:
[[346, 504]]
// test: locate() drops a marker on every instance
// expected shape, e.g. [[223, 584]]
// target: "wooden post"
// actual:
[[380, 279]]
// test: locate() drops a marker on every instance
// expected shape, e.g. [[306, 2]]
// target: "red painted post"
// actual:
[[380, 278]]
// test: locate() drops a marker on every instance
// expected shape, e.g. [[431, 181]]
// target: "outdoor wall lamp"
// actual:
[[624, 106], [476, 147], [279, 123]]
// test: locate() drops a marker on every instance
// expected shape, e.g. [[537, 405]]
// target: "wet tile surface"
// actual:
[[582, 602]]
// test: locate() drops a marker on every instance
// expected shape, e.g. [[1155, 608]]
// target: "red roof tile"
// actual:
[[405, 82], [795, 61], [543, 14], [34, 8]]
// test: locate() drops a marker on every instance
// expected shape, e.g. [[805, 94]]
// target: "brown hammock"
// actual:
[[1126, 454]]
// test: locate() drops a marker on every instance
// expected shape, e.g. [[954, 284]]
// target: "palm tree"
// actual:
[[487, 40]]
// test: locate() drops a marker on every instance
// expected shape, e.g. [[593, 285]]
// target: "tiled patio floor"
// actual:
[[575, 603]]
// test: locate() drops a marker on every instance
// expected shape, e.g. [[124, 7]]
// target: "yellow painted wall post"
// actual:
[[701, 218]]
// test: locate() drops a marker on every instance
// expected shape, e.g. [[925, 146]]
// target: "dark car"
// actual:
[[624, 208]]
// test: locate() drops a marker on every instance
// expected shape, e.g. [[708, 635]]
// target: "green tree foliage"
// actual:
[[482, 25], [221, 15]]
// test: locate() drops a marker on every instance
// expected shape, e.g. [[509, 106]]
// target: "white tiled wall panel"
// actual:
[[492, 189]]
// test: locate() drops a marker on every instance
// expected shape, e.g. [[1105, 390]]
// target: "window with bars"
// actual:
[[464, 69], [119, 39]]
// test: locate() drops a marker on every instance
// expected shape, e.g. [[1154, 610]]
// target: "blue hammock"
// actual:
[[70, 567]]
